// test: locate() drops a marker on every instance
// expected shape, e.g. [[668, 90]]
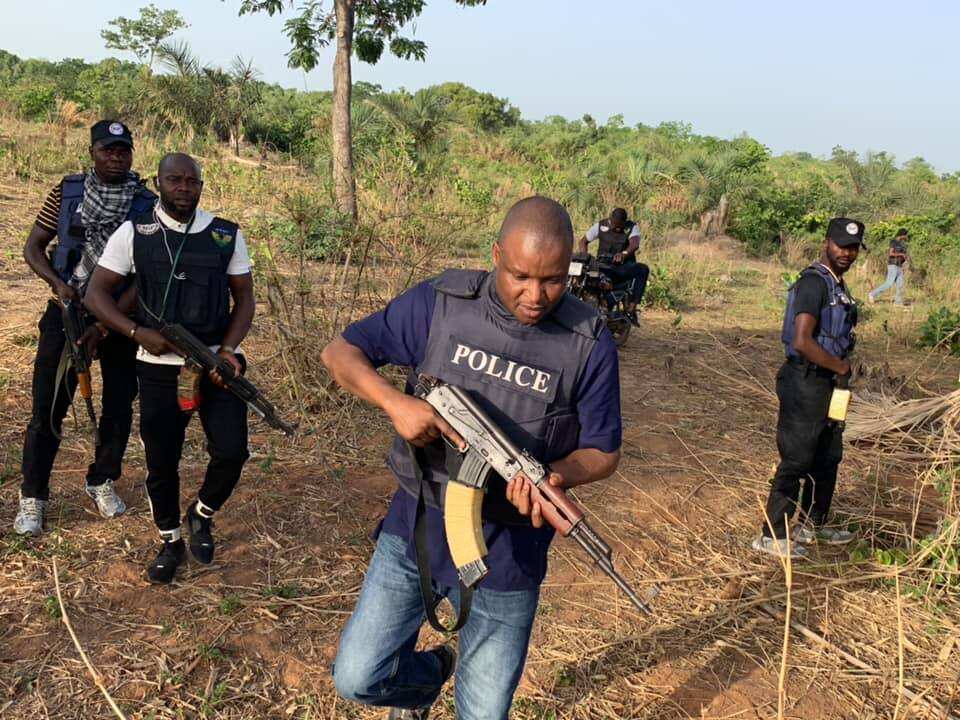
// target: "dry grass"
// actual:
[[253, 635]]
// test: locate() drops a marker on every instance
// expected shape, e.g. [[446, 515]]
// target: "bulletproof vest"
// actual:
[[199, 295], [837, 318], [524, 377], [70, 233], [612, 242]]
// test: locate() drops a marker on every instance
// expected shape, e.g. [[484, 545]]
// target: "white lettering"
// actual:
[[540, 382], [508, 373], [494, 359], [482, 360], [461, 352], [520, 372]]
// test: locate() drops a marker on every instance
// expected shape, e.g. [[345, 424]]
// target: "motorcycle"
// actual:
[[587, 282]]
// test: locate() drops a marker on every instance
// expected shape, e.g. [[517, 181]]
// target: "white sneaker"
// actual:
[[803, 535], [834, 536], [778, 548], [108, 502], [29, 520]]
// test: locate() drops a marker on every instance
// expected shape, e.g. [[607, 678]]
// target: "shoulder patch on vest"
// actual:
[[577, 316], [459, 283], [223, 231]]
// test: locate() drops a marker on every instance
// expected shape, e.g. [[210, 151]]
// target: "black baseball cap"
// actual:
[[110, 132], [846, 232]]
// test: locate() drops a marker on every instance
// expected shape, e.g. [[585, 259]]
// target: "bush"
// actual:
[[660, 290], [942, 329]]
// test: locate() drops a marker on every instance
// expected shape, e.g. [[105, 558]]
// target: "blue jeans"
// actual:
[[376, 662], [894, 277]]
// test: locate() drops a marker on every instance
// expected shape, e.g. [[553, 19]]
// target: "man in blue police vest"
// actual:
[[80, 212], [818, 337], [617, 241], [555, 392], [188, 264]]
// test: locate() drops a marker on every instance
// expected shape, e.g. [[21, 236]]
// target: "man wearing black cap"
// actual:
[[618, 239], [896, 259], [817, 336], [81, 212]]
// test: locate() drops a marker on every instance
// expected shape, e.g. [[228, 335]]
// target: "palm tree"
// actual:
[[423, 117]]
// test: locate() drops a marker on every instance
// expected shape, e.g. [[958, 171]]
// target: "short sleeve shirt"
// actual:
[[594, 232], [398, 335], [897, 246], [49, 216], [811, 295]]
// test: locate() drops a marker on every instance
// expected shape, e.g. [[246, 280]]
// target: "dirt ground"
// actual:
[[253, 635]]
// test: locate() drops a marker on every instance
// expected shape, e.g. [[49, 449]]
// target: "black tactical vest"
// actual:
[[524, 377], [612, 242], [199, 296]]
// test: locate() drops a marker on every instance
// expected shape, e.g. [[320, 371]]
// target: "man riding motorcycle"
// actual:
[[619, 239]]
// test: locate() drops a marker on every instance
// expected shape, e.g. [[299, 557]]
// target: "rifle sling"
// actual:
[[422, 552]]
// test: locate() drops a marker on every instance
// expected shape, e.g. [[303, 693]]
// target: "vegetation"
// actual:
[[477, 145], [363, 27]]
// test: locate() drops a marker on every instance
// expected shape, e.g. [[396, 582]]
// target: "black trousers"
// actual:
[[810, 446], [162, 428], [118, 368], [632, 272]]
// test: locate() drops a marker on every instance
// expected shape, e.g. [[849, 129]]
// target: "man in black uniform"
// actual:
[[817, 336], [619, 239], [188, 265], [80, 212]]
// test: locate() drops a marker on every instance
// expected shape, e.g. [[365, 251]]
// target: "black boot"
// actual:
[[164, 567], [201, 538]]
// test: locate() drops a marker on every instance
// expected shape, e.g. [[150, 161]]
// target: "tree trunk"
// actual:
[[344, 184]]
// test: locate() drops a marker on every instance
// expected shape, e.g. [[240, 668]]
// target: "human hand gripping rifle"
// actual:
[[196, 353], [488, 448], [75, 354]]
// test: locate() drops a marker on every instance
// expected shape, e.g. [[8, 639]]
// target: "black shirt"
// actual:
[[897, 246], [811, 296]]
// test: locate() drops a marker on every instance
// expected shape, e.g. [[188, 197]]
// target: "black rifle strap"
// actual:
[[422, 552]]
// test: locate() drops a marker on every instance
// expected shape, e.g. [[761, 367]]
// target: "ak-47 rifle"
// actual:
[[74, 327], [488, 448], [195, 353]]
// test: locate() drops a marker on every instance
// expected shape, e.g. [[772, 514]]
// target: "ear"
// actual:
[[496, 254]]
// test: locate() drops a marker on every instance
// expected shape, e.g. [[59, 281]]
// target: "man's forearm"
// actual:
[[632, 245], [241, 319], [814, 353], [353, 371], [38, 261], [582, 245], [586, 465], [100, 301]]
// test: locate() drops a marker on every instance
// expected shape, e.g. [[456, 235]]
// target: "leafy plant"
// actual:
[[942, 329]]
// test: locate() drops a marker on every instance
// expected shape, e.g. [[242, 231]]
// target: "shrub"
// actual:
[[942, 328]]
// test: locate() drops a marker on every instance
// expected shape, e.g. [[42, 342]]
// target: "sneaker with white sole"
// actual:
[[779, 548], [29, 520], [804, 535], [834, 536], [108, 503]]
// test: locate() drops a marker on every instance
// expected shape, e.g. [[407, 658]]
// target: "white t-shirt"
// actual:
[[594, 232], [118, 257]]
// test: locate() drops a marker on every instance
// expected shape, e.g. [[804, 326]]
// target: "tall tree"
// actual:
[[364, 27], [144, 35]]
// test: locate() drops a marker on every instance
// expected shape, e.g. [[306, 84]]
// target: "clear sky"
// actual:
[[877, 74]]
